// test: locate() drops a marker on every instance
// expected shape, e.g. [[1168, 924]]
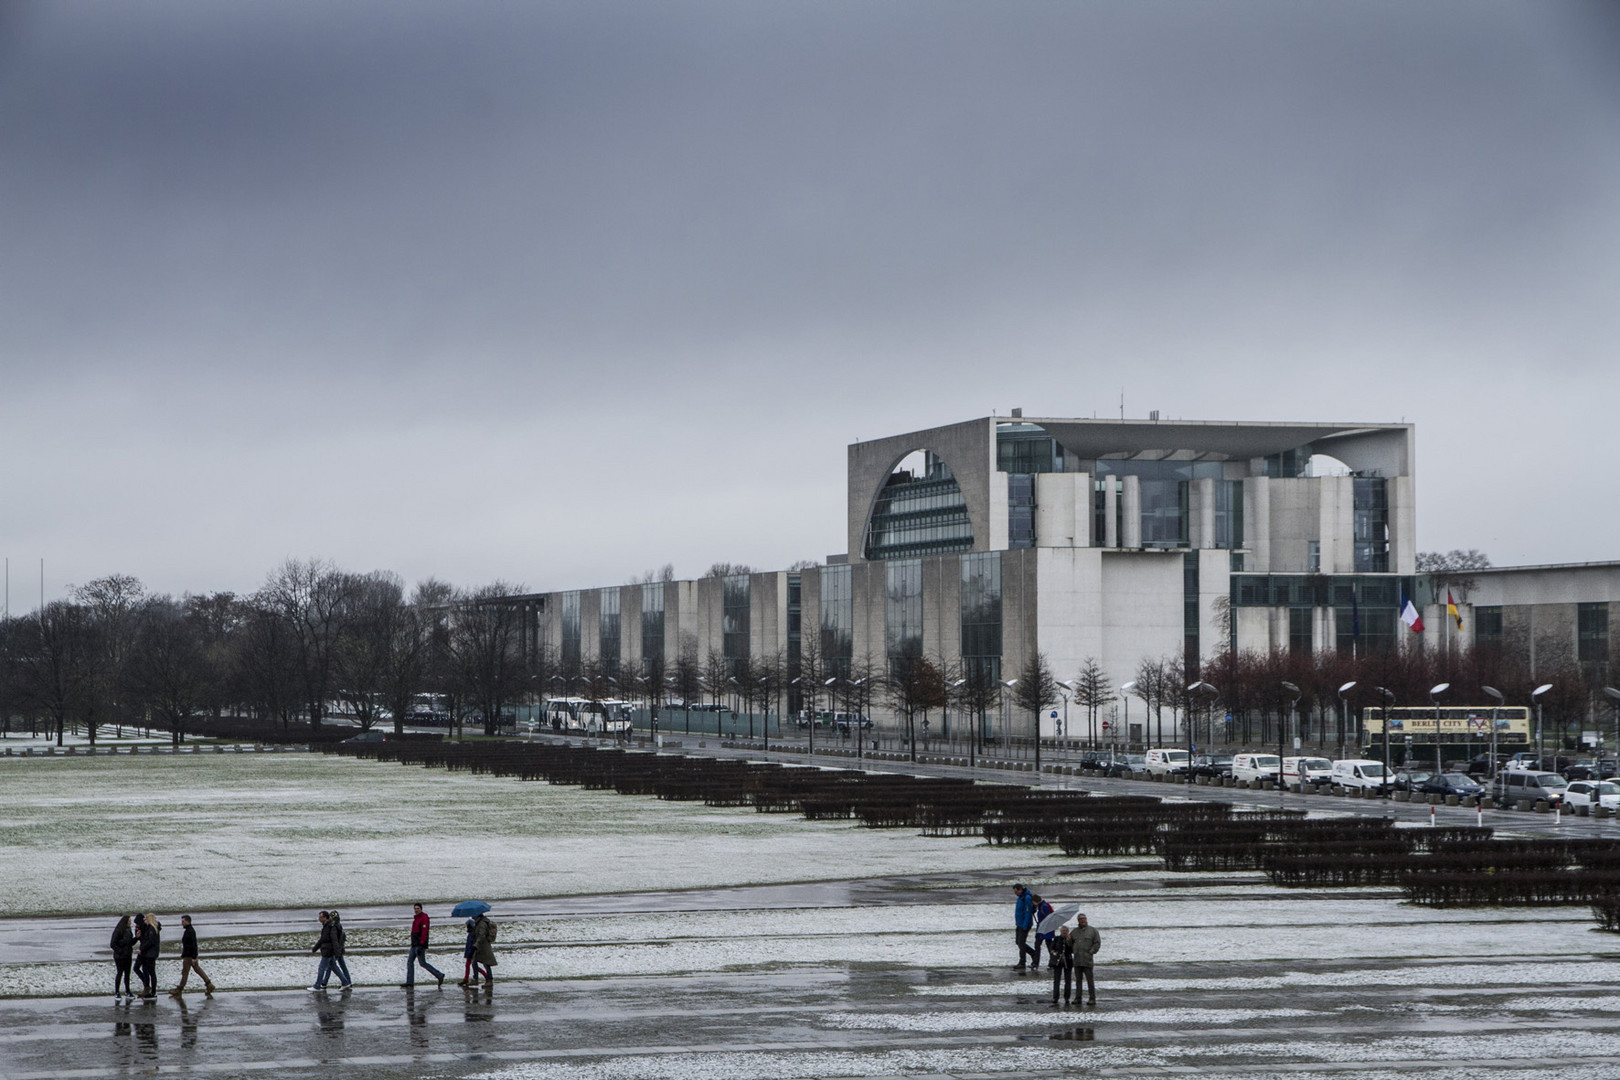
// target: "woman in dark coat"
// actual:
[[123, 950], [151, 942]]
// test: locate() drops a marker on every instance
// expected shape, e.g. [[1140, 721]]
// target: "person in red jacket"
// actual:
[[419, 948]]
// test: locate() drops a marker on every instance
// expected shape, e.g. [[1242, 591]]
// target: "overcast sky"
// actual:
[[556, 293]]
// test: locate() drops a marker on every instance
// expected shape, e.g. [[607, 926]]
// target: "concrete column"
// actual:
[[1132, 537], [1257, 523], [1086, 527], [1201, 506], [1110, 514]]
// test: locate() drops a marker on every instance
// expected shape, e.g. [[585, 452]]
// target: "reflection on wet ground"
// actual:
[[906, 976]]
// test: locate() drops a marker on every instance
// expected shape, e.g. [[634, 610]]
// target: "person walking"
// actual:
[[340, 941], [484, 947], [325, 946], [123, 950], [151, 940], [471, 969], [1042, 910], [188, 960], [1086, 941], [1061, 948], [1023, 919], [419, 947]]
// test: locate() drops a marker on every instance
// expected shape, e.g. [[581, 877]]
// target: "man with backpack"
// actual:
[[326, 946], [1023, 920]]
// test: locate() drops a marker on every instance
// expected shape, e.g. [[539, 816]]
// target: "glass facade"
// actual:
[[915, 515], [1020, 510], [568, 647], [1592, 633], [1371, 524], [837, 620], [1488, 625], [609, 634], [652, 629], [734, 620], [980, 610], [1364, 607], [1228, 514], [1165, 488], [902, 608], [1192, 647], [1027, 448], [1299, 630], [1099, 509]]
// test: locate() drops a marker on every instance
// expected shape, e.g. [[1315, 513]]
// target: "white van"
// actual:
[[1254, 767], [1359, 773], [1307, 770], [1168, 762]]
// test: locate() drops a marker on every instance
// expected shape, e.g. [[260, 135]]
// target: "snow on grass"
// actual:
[[985, 1020], [305, 830]]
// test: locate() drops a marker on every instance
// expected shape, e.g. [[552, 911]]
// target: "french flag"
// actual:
[[1409, 614]]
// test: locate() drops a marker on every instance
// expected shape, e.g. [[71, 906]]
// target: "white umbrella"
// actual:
[[1059, 916]]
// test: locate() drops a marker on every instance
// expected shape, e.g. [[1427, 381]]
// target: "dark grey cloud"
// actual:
[[556, 292]]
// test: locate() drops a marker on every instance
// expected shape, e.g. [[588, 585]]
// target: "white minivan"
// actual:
[[1307, 770], [1254, 767], [1359, 773], [1168, 762]]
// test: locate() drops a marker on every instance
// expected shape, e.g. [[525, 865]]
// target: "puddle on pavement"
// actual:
[[1075, 1034]]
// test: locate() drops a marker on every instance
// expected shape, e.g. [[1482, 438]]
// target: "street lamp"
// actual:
[[945, 713], [1434, 696], [1209, 689], [1293, 704], [1498, 698], [1073, 689], [1344, 713], [1009, 684], [1535, 696], [1125, 691], [1614, 696], [1388, 698], [857, 717]]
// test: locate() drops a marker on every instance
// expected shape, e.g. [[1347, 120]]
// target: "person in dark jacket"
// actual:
[[484, 947], [325, 946], [1086, 942], [1023, 920], [1061, 949], [471, 969], [123, 950], [419, 947], [146, 957], [1042, 910], [188, 960], [340, 941]]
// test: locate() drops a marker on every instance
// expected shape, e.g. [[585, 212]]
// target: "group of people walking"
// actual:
[[136, 941], [1071, 953]]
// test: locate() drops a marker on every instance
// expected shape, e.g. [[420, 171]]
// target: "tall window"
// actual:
[[652, 629], [1299, 630], [1020, 510], [1592, 627], [734, 620], [1228, 513], [610, 631], [837, 620], [980, 609], [902, 609], [1488, 625], [1192, 648], [569, 646], [1371, 524]]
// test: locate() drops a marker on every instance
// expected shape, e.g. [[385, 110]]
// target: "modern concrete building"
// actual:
[[1553, 615], [981, 542]]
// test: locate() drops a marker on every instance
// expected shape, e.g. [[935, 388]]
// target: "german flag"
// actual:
[[1451, 609]]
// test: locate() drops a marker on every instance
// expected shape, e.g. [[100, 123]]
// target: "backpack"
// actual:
[[492, 928]]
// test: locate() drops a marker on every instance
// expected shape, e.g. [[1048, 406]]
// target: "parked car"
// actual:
[[1409, 779], [1482, 765], [1127, 766], [367, 737], [1167, 761], [1604, 793], [1452, 783], [1214, 766], [1253, 767], [1517, 785], [1590, 769], [1361, 773]]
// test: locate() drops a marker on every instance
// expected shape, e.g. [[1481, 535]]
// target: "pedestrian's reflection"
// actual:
[[329, 1012], [146, 1041], [479, 1005], [189, 1022], [416, 1015]]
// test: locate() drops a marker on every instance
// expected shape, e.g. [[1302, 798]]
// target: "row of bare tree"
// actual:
[[113, 654]]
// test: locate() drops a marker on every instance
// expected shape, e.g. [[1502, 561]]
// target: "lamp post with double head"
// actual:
[[1344, 713], [1434, 696], [1125, 691], [1497, 698], [1009, 684], [1210, 694]]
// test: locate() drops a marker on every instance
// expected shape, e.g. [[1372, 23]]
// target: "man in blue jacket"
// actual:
[[1023, 922]]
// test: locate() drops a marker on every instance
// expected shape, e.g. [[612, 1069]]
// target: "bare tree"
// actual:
[[309, 597], [111, 604], [487, 650], [914, 685], [373, 609], [1036, 689], [52, 653], [168, 666], [1092, 692]]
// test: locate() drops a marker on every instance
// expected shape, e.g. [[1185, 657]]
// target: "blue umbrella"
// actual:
[[468, 908]]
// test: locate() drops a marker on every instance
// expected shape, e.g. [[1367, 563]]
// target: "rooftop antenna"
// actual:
[[1122, 403]]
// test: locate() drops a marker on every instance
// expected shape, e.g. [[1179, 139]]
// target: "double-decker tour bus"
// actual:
[[583, 716], [1461, 732]]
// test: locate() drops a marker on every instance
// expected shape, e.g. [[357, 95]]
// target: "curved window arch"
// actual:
[[919, 511]]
